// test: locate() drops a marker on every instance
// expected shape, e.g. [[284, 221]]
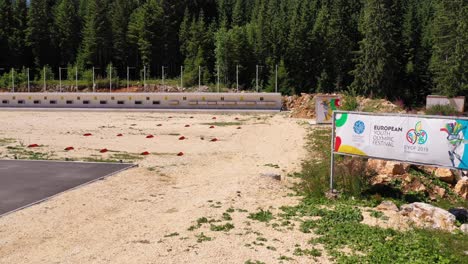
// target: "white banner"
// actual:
[[324, 107], [414, 139]]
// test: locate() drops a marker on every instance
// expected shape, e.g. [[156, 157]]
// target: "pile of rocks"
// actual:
[[387, 172], [424, 215], [302, 106]]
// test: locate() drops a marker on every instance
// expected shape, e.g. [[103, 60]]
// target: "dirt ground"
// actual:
[[143, 215]]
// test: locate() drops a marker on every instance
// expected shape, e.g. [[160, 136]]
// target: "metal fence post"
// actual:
[[332, 157]]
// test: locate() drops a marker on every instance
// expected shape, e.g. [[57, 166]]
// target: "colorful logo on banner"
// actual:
[[329, 106], [456, 141], [359, 127], [341, 121], [417, 135]]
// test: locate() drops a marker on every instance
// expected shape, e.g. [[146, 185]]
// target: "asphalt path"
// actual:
[[25, 183]]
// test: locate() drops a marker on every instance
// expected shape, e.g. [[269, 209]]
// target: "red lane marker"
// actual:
[[239, 128], [182, 138], [69, 148], [146, 153], [33, 146], [212, 127], [214, 118], [187, 125], [180, 154], [214, 140], [103, 150], [120, 135], [87, 134], [149, 136]]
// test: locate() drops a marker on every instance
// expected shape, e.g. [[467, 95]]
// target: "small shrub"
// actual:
[[202, 238], [262, 216], [443, 110], [226, 227], [350, 102], [227, 217], [172, 234]]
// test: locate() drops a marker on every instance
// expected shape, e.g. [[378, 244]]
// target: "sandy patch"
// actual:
[[129, 218]]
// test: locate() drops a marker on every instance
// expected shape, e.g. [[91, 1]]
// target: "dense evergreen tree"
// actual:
[[5, 31], [389, 48], [450, 51], [67, 26], [378, 64], [121, 11], [144, 31], [40, 32], [96, 46]]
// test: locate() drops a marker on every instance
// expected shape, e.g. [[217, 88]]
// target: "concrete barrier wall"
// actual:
[[457, 102], [247, 101]]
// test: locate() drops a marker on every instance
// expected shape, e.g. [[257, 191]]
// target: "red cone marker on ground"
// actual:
[[180, 154], [120, 135], [33, 146], [146, 153], [182, 138], [87, 134], [212, 127], [149, 136], [69, 148], [214, 140], [103, 150], [187, 125]]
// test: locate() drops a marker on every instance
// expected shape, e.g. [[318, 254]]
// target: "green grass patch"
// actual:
[[223, 124], [226, 227], [203, 238], [6, 141], [272, 165], [443, 110], [172, 234], [262, 216]]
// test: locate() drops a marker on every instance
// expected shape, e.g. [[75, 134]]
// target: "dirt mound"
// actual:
[[302, 106]]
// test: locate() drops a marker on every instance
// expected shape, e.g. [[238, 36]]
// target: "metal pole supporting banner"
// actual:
[[45, 88], [110, 78], [217, 81], [181, 76], [13, 79], [29, 87], [76, 78], [199, 77], [256, 78], [128, 77], [60, 79], [237, 78], [94, 84], [162, 67], [276, 78], [144, 78], [332, 158]]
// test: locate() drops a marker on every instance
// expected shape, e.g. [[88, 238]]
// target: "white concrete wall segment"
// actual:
[[457, 102], [247, 101]]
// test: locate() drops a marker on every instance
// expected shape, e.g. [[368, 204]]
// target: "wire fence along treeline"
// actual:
[[73, 78], [392, 48]]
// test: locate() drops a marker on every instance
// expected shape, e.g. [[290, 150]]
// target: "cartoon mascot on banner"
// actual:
[[456, 141], [329, 106]]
